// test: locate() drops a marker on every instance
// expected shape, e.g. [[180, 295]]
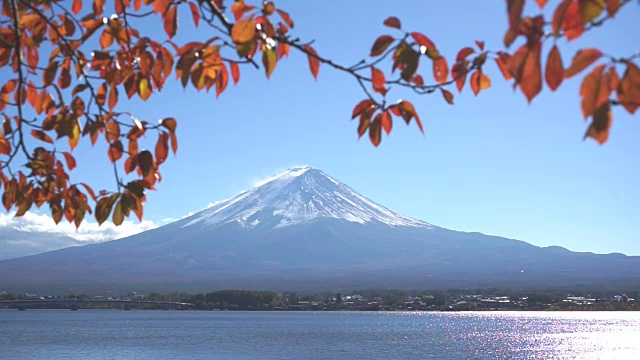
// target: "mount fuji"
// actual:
[[304, 230]]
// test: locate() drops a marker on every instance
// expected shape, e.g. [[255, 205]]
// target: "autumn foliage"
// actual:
[[73, 62]]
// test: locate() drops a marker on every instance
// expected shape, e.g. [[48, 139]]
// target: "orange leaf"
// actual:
[[595, 90], [243, 31], [423, 40], [239, 8], [314, 63], [448, 96], [381, 44], [573, 21], [106, 39], [71, 161], [386, 122], [440, 70], [582, 60], [375, 131], [363, 105], [77, 6], [600, 124], [235, 71], [378, 81], [554, 72], [222, 80], [113, 131], [479, 82], [42, 136], [502, 60], [393, 22], [170, 21], [628, 88]]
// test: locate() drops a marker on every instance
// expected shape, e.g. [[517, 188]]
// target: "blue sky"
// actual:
[[490, 163]]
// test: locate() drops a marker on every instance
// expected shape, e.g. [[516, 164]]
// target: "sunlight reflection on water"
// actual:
[[319, 335]]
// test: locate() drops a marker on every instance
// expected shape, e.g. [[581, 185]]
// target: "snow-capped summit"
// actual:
[[298, 195]]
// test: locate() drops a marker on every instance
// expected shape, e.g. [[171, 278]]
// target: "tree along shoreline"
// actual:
[[366, 300]]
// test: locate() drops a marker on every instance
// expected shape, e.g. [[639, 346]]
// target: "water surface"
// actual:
[[115, 334]]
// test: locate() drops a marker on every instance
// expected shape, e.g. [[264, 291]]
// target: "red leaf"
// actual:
[[393, 22], [195, 13], [386, 122], [463, 53], [314, 63], [42, 136], [5, 147], [448, 96], [381, 44], [407, 112], [459, 72], [440, 70], [71, 161], [554, 72], [285, 16], [480, 45], [612, 7], [170, 23], [526, 69], [600, 124], [115, 151], [582, 60], [363, 105], [558, 17], [514, 8], [375, 131], [502, 61], [113, 97], [423, 40], [77, 6], [541, 3], [573, 21], [378, 81], [479, 82], [628, 88], [235, 71]]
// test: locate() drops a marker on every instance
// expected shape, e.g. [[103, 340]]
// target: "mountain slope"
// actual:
[[304, 230]]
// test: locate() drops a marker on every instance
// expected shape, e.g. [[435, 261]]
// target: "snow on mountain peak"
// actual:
[[298, 195]]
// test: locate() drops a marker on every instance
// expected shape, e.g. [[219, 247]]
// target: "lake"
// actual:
[[116, 334]]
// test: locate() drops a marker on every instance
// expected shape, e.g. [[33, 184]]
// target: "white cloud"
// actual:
[[88, 231]]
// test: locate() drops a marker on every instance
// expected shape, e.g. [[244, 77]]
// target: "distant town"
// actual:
[[370, 300]]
